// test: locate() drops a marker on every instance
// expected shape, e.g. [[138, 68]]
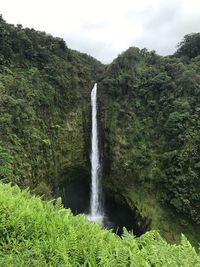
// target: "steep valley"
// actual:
[[149, 128]]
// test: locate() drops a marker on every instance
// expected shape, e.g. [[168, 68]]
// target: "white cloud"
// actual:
[[105, 28]]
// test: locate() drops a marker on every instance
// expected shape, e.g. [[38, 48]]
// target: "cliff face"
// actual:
[[45, 107], [149, 115]]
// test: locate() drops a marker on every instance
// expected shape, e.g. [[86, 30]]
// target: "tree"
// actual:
[[190, 46], [6, 161]]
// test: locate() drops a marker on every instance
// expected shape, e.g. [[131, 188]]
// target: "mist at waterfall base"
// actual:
[[116, 215], [83, 197]]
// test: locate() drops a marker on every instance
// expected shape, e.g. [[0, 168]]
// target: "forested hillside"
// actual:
[[44, 106], [150, 107]]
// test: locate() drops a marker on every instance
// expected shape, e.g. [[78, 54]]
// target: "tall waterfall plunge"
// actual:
[[112, 214], [96, 213]]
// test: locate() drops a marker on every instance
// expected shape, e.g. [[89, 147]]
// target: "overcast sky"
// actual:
[[105, 28]]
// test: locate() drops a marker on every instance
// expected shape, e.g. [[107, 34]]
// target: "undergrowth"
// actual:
[[38, 233]]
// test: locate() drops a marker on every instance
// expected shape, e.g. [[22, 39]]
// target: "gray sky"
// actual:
[[105, 28]]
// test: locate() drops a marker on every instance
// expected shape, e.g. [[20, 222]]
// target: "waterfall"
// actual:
[[96, 213]]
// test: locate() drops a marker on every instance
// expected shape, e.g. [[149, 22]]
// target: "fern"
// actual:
[[38, 233]]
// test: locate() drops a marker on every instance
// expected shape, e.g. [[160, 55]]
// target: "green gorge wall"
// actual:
[[45, 108], [150, 119]]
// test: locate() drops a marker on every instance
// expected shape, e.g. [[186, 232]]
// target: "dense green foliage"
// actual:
[[37, 233], [150, 107], [190, 47], [150, 116], [44, 107]]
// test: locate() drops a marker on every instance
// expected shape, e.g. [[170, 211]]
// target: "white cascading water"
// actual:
[[96, 213]]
